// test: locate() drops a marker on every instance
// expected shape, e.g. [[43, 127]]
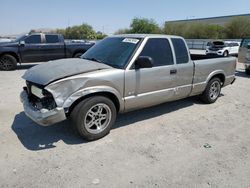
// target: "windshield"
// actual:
[[20, 38], [113, 51]]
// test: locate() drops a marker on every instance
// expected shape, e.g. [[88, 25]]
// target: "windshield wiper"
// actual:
[[93, 59], [112, 65], [99, 61]]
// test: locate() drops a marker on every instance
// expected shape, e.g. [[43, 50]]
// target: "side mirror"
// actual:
[[144, 62], [22, 43]]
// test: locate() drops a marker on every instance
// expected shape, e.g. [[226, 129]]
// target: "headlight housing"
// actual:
[[37, 91]]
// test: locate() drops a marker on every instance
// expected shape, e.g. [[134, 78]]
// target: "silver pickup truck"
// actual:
[[119, 74]]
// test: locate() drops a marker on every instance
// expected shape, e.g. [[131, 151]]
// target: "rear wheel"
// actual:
[[8, 62], [94, 117], [212, 91]]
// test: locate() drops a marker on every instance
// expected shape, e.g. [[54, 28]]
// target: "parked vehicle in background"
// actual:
[[222, 48], [120, 74], [5, 40], [39, 47], [244, 54]]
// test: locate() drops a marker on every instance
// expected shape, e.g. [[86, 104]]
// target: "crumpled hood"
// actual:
[[48, 72]]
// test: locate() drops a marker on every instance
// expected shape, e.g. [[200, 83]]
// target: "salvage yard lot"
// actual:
[[179, 144]]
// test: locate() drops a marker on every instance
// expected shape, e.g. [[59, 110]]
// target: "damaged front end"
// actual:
[[40, 106]]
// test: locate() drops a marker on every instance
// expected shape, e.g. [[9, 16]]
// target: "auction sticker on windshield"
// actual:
[[130, 40]]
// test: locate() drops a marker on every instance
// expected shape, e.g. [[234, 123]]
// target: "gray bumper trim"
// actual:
[[43, 117]]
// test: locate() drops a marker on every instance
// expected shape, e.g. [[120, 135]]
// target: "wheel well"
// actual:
[[220, 76], [12, 54], [81, 51], [109, 95]]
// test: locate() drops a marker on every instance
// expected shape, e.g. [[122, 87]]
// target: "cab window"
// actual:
[[51, 38], [33, 39], [159, 50], [181, 51]]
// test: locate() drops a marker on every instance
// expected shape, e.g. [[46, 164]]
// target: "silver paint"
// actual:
[[134, 89]]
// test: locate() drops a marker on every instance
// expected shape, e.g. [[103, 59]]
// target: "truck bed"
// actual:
[[206, 68]]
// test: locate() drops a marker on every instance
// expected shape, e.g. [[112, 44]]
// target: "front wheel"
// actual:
[[94, 117], [225, 54], [8, 62], [212, 91]]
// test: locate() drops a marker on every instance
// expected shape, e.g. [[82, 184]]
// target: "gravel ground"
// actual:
[[178, 144]]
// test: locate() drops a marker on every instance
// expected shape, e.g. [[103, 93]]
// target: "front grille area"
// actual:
[[214, 49], [46, 102]]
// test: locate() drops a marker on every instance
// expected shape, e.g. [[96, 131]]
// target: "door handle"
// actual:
[[173, 71]]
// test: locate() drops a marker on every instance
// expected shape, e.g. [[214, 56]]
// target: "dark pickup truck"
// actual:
[[39, 47]]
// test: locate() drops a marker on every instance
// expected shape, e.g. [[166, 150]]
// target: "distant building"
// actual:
[[221, 20]]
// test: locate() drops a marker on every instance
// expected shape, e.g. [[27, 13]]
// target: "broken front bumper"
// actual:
[[43, 117]]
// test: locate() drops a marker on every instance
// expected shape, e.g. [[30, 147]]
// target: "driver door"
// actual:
[[31, 50], [149, 86]]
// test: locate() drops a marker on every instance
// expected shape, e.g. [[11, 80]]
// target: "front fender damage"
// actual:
[[66, 92]]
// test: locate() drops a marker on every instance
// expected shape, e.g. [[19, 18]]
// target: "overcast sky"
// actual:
[[18, 16]]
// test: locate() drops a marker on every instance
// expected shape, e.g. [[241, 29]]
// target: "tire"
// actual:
[[247, 71], [225, 54], [88, 117], [212, 91], [78, 55], [8, 62]]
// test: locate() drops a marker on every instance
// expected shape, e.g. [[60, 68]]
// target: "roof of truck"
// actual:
[[145, 35]]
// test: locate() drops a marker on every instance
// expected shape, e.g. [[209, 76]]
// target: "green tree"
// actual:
[[194, 30], [143, 25], [175, 29], [238, 28], [100, 35], [122, 31], [60, 31], [83, 31]]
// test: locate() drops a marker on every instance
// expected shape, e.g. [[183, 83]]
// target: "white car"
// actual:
[[222, 48], [5, 40]]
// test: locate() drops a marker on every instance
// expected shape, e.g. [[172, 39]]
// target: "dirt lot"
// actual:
[[179, 144]]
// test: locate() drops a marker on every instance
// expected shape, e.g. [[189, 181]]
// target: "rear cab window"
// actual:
[[52, 39], [159, 50], [181, 51]]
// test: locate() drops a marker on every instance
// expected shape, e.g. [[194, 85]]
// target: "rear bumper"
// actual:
[[42, 117]]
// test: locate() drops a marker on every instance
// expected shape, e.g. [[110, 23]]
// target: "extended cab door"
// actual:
[[149, 86], [184, 68], [31, 49], [54, 47]]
